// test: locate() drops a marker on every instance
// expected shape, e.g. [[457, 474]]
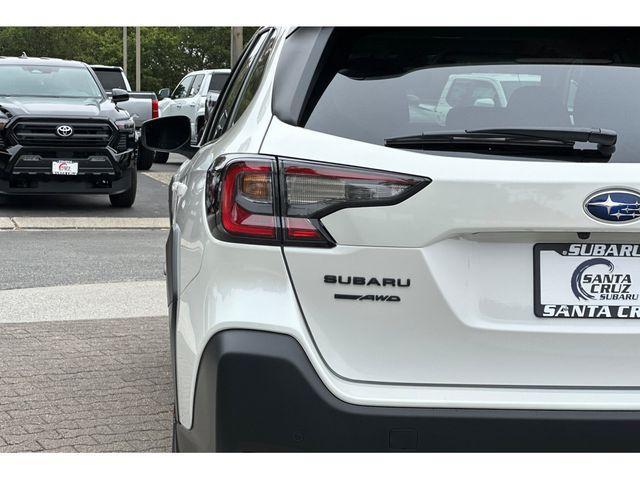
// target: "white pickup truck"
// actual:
[[190, 97], [470, 89]]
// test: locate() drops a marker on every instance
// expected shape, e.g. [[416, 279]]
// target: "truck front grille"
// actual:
[[46, 133]]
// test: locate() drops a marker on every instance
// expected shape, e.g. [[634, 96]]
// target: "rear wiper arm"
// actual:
[[559, 141], [599, 136]]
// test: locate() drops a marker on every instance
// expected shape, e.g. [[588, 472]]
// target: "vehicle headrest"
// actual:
[[537, 106]]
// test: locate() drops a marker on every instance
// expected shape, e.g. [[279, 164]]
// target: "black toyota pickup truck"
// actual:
[[60, 133]]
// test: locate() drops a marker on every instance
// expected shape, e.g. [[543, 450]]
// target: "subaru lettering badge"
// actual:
[[613, 206], [64, 131]]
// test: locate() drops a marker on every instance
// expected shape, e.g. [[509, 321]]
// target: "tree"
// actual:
[[168, 53]]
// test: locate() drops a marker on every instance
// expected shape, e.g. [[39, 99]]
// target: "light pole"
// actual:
[[236, 44], [124, 50], [138, 59]]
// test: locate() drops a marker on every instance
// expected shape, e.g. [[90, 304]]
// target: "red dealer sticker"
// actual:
[[64, 167]]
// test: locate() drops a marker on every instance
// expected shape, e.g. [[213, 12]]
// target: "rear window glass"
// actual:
[[383, 83], [217, 82], [111, 79]]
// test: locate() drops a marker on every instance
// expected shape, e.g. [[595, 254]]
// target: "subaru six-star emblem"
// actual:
[[613, 206], [64, 131]]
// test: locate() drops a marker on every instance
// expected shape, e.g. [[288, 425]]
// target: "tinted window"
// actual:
[[111, 79], [47, 81], [182, 90], [466, 92], [217, 82], [195, 86], [233, 90], [253, 80], [381, 83]]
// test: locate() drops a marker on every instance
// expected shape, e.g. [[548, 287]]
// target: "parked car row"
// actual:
[[66, 127]]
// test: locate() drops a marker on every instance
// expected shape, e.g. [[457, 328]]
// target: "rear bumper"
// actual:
[[257, 391]]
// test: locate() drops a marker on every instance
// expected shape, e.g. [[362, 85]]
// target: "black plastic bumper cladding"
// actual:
[[257, 391]]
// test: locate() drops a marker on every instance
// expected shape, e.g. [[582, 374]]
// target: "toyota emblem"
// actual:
[[64, 131]]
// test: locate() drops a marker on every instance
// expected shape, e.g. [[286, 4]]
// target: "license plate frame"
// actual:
[[64, 167], [579, 306]]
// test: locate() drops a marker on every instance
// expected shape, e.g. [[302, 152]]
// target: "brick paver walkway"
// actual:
[[85, 386]]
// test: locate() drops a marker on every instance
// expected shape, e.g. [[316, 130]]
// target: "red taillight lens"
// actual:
[[246, 205], [248, 201], [154, 108], [301, 229], [315, 190]]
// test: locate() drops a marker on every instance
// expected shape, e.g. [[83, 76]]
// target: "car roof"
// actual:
[[107, 67], [215, 70], [43, 61]]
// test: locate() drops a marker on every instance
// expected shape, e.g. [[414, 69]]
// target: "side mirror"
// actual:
[[484, 102], [164, 93], [168, 134], [118, 95]]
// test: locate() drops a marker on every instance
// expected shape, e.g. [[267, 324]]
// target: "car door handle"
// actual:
[[192, 104]]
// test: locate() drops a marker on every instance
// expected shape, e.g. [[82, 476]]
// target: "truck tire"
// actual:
[[126, 198], [145, 158], [161, 157]]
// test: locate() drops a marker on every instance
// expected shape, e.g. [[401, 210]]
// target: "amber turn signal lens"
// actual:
[[257, 186]]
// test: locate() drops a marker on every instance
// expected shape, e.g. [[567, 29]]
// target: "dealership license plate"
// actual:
[[587, 280], [64, 167]]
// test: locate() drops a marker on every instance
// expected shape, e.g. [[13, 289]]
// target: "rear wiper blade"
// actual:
[[516, 141]]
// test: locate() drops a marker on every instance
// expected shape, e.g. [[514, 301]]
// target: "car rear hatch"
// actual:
[[500, 271]]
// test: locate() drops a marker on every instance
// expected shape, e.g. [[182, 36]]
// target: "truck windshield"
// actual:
[[47, 81], [383, 83]]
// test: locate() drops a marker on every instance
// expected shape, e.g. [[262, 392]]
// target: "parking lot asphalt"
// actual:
[[83, 327], [43, 258], [151, 199]]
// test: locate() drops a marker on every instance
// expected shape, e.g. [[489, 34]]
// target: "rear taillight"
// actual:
[[154, 108], [246, 203], [281, 202]]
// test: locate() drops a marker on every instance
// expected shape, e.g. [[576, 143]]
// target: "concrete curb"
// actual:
[[43, 223], [6, 223]]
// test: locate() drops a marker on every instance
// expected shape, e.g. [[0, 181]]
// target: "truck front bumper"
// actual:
[[257, 391], [101, 171]]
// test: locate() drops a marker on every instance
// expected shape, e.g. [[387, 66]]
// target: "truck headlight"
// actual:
[[126, 124]]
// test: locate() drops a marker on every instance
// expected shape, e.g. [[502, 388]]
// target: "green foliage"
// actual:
[[167, 53]]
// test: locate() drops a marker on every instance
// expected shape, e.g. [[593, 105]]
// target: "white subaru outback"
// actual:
[[344, 276]]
